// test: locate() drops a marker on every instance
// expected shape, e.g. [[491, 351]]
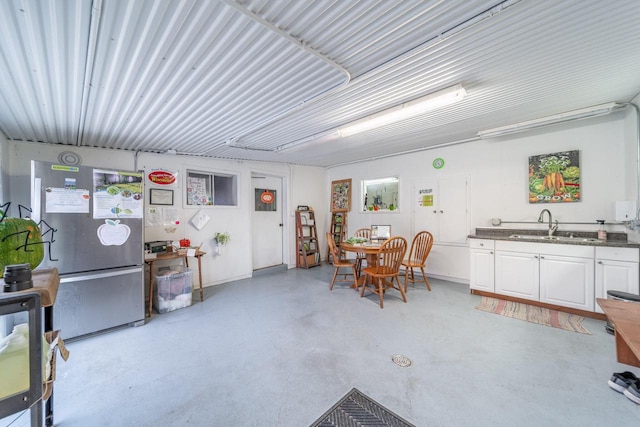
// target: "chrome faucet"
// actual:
[[552, 228]]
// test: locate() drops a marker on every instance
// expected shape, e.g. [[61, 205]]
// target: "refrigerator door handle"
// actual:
[[36, 202], [100, 275]]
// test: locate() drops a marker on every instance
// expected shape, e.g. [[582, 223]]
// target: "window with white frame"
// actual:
[[211, 188]]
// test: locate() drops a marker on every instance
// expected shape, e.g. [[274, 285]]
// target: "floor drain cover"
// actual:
[[401, 360]]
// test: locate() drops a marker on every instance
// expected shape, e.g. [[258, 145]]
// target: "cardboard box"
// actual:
[[311, 259], [57, 344]]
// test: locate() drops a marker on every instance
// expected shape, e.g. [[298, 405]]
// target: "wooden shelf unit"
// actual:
[[308, 254], [338, 230]]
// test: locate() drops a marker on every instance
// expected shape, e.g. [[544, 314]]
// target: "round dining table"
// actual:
[[370, 249]]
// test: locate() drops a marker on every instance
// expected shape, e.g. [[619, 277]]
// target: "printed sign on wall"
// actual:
[[554, 177]]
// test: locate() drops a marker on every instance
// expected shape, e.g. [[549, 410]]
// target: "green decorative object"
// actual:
[[222, 238], [438, 163], [20, 243]]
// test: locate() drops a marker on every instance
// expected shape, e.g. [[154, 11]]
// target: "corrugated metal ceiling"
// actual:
[[241, 79]]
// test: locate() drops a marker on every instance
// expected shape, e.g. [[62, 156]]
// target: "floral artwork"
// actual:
[[554, 177], [341, 196]]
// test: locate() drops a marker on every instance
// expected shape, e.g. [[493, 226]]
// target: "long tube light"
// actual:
[[596, 110], [395, 114], [407, 110]]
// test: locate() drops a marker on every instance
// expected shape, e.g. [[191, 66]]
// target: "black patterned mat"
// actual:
[[358, 410]]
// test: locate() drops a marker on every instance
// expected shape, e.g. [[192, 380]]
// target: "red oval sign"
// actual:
[[162, 177], [266, 197]]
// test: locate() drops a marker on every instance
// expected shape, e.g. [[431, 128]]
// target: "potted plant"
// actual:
[[221, 240]]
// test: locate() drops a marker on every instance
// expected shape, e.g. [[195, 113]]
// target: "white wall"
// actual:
[[302, 185], [498, 174], [310, 190], [497, 171]]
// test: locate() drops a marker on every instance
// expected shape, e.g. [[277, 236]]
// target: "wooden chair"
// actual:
[[339, 262], [420, 248], [364, 233], [381, 277]]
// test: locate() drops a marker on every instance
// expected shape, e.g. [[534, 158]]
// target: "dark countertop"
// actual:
[[618, 240]]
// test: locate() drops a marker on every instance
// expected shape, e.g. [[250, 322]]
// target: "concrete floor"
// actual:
[[280, 349]]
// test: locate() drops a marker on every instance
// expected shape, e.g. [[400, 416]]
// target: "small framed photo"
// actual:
[[160, 196]]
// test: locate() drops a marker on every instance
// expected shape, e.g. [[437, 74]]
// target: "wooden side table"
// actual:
[[173, 255], [625, 317]]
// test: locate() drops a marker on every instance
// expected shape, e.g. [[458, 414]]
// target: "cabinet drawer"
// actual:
[[481, 244], [618, 254], [546, 248]]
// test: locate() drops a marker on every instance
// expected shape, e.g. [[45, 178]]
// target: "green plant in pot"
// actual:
[[222, 238]]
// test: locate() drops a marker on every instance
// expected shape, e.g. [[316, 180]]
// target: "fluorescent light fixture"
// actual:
[[395, 114], [596, 110], [407, 110]]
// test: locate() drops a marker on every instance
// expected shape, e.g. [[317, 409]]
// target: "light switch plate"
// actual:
[[200, 219]]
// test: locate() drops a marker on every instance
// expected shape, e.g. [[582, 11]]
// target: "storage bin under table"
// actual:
[[172, 288]]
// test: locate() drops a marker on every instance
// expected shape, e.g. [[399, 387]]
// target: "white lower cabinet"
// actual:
[[566, 281], [565, 275], [517, 275], [481, 265], [554, 274], [616, 270]]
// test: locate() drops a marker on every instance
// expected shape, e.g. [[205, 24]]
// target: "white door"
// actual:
[[440, 207], [452, 210], [517, 274], [482, 272], [267, 221], [615, 276], [568, 282]]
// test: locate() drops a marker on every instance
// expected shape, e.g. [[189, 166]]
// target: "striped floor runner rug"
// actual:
[[533, 314]]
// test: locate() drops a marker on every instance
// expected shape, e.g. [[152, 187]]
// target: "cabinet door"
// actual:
[[567, 281], [452, 210], [517, 274], [442, 209], [482, 270], [615, 276]]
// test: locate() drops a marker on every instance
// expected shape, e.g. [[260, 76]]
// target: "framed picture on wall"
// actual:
[[160, 196], [341, 195], [555, 177]]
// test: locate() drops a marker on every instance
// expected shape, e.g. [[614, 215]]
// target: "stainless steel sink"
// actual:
[[554, 238]]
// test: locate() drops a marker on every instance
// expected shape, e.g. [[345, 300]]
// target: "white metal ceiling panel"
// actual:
[[43, 49], [240, 78]]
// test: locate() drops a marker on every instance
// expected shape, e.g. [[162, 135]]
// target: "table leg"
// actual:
[[200, 277]]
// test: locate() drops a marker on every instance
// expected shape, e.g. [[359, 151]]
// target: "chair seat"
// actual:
[[344, 263], [412, 263], [380, 271]]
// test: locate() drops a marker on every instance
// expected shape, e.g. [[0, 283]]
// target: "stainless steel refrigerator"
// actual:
[[92, 227]]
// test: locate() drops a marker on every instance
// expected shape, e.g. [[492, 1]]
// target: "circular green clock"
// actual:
[[438, 163]]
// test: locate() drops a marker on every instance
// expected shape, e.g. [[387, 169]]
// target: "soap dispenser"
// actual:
[[602, 232]]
